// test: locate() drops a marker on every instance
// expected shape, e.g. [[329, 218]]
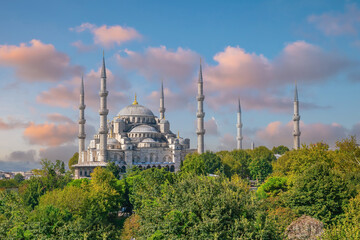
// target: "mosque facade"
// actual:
[[134, 137]]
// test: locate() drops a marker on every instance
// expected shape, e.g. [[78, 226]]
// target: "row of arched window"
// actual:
[[140, 120], [85, 173], [151, 158], [142, 135]]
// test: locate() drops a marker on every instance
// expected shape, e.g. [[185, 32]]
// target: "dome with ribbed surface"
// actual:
[[136, 110], [144, 129]]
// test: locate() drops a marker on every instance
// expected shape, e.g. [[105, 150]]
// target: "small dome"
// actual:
[[112, 141], [148, 140], [136, 110], [144, 129]]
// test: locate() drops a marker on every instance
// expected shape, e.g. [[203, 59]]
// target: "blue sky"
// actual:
[[254, 50]]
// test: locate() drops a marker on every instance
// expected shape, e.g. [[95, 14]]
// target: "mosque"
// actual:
[[136, 137]]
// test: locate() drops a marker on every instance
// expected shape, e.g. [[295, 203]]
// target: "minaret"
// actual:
[[296, 120], [200, 114], [239, 128], [103, 115], [82, 121], [162, 109]]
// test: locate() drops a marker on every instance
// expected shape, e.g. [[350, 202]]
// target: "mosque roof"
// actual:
[[144, 129], [112, 141], [148, 140], [136, 110]]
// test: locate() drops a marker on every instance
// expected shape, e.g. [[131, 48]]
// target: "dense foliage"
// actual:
[[212, 197]]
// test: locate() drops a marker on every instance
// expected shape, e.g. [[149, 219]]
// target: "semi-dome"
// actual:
[[144, 129], [148, 140], [112, 141], [136, 110]]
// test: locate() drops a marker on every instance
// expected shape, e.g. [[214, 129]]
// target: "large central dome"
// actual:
[[136, 110]]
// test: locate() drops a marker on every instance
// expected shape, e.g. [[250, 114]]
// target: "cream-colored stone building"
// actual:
[[134, 137]]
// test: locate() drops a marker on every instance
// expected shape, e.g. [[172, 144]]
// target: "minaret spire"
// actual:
[[296, 119], [239, 128], [82, 121], [200, 114], [103, 131], [162, 108]]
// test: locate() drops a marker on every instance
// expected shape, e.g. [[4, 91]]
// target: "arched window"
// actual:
[[172, 168], [85, 174], [80, 173], [167, 168]]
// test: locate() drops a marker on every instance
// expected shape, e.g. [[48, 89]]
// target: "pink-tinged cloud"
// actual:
[[211, 126], [173, 101], [160, 63], [109, 36], [227, 142], [58, 118], [11, 123], [20, 156], [50, 134], [257, 100], [299, 61], [304, 62], [83, 48], [66, 94], [237, 68], [338, 23], [63, 153], [260, 82], [277, 133], [37, 62]]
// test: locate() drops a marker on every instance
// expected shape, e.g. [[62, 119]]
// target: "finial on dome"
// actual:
[[178, 136], [135, 102]]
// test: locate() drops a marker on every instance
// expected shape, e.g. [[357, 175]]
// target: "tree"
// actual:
[[348, 227], [73, 160], [19, 177], [206, 163], [131, 227], [114, 168], [280, 149], [235, 162], [13, 215], [50, 177], [272, 187], [294, 163], [320, 192], [347, 157], [260, 168], [201, 207]]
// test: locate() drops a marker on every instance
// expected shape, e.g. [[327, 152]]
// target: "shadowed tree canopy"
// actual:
[[280, 149], [73, 160]]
